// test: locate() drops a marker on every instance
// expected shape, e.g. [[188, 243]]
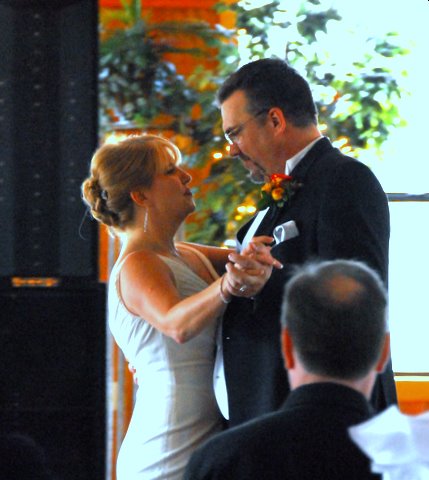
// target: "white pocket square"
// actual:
[[285, 231]]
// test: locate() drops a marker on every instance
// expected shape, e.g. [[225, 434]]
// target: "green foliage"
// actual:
[[355, 93], [135, 82], [137, 85], [355, 96]]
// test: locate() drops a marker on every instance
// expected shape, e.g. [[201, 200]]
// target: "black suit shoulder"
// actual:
[[306, 440]]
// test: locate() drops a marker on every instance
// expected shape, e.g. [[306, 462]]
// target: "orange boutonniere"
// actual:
[[278, 191]]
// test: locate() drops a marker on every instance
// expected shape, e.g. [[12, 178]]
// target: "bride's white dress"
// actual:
[[175, 408]]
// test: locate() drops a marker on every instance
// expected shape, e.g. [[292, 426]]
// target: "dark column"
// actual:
[[52, 340], [48, 131], [52, 359]]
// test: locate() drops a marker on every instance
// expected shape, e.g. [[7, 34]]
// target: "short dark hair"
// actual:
[[335, 312], [269, 83]]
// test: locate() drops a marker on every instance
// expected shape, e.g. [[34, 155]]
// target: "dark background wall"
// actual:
[[52, 340], [48, 131], [52, 369]]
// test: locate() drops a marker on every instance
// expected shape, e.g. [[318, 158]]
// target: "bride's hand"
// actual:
[[259, 248], [245, 276]]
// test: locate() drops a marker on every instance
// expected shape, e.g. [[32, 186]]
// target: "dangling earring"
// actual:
[[145, 220]]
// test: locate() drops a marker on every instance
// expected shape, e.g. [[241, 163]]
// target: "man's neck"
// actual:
[[292, 162], [363, 385]]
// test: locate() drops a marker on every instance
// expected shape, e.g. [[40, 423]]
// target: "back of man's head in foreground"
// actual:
[[335, 315]]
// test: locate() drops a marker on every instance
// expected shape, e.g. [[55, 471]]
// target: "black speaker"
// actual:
[[48, 132], [52, 357]]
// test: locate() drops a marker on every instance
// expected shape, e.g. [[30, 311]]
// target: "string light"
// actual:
[[340, 142], [246, 209], [114, 137]]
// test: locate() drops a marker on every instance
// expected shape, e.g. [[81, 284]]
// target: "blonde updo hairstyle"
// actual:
[[118, 169]]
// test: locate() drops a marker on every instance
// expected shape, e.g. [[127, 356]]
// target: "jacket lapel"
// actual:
[[268, 223], [322, 147], [299, 173]]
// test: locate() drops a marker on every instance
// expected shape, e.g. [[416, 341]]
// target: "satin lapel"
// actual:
[[243, 230], [268, 223]]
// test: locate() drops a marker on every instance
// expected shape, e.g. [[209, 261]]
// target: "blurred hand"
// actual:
[[248, 272], [259, 248]]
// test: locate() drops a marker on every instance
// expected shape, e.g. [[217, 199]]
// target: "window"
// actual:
[[404, 169], [404, 174]]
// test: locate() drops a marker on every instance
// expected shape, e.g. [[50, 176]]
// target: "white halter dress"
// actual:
[[175, 408]]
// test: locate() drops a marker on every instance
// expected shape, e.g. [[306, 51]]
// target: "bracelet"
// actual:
[[221, 294]]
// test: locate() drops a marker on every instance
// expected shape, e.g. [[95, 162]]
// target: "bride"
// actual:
[[165, 300]]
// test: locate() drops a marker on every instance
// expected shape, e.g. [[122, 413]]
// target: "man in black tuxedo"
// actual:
[[334, 342], [338, 211]]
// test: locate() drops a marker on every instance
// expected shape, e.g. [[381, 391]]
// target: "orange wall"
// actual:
[[413, 393], [177, 11]]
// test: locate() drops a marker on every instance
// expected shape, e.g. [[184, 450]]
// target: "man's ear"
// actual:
[[384, 355], [277, 118], [138, 197], [287, 348]]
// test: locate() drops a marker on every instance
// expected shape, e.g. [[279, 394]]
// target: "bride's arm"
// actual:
[[218, 256], [148, 289], [257, 249]]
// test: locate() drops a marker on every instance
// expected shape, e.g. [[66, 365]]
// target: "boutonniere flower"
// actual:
[[278, 191]]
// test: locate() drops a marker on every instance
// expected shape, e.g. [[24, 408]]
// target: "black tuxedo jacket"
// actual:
[[340, 211], [307, 439]]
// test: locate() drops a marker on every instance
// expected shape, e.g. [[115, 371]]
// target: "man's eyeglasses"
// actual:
[[232, 134]]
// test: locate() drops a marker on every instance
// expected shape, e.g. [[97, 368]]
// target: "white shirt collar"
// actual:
[[292, 162]]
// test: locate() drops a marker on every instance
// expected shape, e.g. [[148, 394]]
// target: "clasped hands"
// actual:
[[248, 271]]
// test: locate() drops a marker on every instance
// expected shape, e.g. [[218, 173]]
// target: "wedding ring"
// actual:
[[243, 288]]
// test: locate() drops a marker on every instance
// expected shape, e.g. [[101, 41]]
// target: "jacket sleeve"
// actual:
[[353, 222]]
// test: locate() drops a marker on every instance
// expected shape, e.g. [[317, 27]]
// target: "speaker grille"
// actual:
[[48, 132]]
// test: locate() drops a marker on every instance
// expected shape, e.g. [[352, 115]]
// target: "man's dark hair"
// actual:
[[335, 312], [269, 83]]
